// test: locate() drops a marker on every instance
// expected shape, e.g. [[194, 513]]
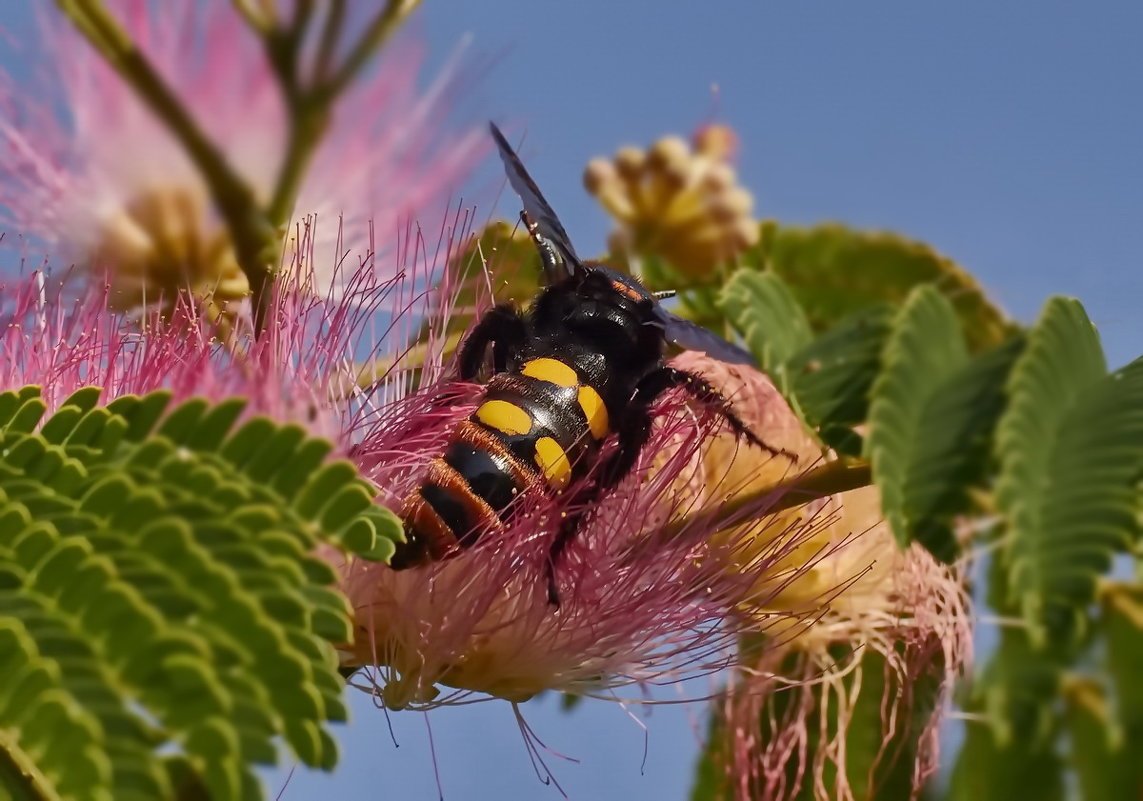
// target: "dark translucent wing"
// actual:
[[540, 214], [692, 336]]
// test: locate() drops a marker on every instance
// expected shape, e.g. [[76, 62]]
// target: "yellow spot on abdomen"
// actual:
[[505, 417], [553, 461], [551, 370], [594, 411]]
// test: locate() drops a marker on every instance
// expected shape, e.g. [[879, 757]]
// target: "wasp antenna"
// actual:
[[665, 294]]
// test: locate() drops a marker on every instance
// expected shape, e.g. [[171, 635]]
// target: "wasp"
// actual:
[[582, 365]]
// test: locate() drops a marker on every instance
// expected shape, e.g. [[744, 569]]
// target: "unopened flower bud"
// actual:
[[683, 205], [629, 162], [718, 176], [731, 204], [667, 153], [599, 173]]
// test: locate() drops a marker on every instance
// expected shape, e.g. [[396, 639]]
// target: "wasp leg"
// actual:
[[701, 390], [633, 433], [504, 328]]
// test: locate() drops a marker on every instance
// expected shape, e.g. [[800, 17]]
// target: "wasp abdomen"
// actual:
[[535, 425], [486, 475]]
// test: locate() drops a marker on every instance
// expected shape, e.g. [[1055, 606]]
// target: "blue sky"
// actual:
[[1008, 135]]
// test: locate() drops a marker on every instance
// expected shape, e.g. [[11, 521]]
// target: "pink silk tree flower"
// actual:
[[645, 596], [635, 608], [63, 337], [855, 590], [87, 171]]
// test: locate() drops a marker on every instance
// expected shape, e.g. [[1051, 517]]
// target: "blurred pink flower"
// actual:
[[105, 186]]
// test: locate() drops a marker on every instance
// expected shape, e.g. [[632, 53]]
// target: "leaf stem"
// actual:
[[255, 231], [310, 107], [19, 775], [328, 41], [376, 34]]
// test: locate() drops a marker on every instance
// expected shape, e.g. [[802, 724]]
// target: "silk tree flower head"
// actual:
[[677, 200], [92, 175], [63, 337], [900, 617], [644, 594]]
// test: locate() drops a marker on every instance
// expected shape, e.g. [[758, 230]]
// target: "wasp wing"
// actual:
[[693, 336], [544, 225]]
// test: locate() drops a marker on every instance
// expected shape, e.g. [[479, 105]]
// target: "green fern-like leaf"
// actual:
[[925, 350], [762, 308], [833, 375], [1122, 627], [711, 782], [162, 618], [988, 771], [826, 379], [1070, 446]]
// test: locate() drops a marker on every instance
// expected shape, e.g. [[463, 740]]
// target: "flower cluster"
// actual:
[[677, 200]]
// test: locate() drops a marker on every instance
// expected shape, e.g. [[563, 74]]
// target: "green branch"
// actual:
[[19, 776], [376, 34], [330, 36], [310, 108]]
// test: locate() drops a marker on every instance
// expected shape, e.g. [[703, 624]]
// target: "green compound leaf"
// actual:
[[1010, 740], [1106, 769], [761, 307], [931, 413], [163, 622], [987, 771], [1070, 446], [827, 379], [836, 271], [833, 375], [1122, 627]]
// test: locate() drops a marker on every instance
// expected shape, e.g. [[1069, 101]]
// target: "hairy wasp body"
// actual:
[[583, 364]]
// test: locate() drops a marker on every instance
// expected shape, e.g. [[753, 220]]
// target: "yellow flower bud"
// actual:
[[676, 201]]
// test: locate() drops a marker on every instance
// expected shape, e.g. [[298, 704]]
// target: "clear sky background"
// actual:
[[1007, 135]]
